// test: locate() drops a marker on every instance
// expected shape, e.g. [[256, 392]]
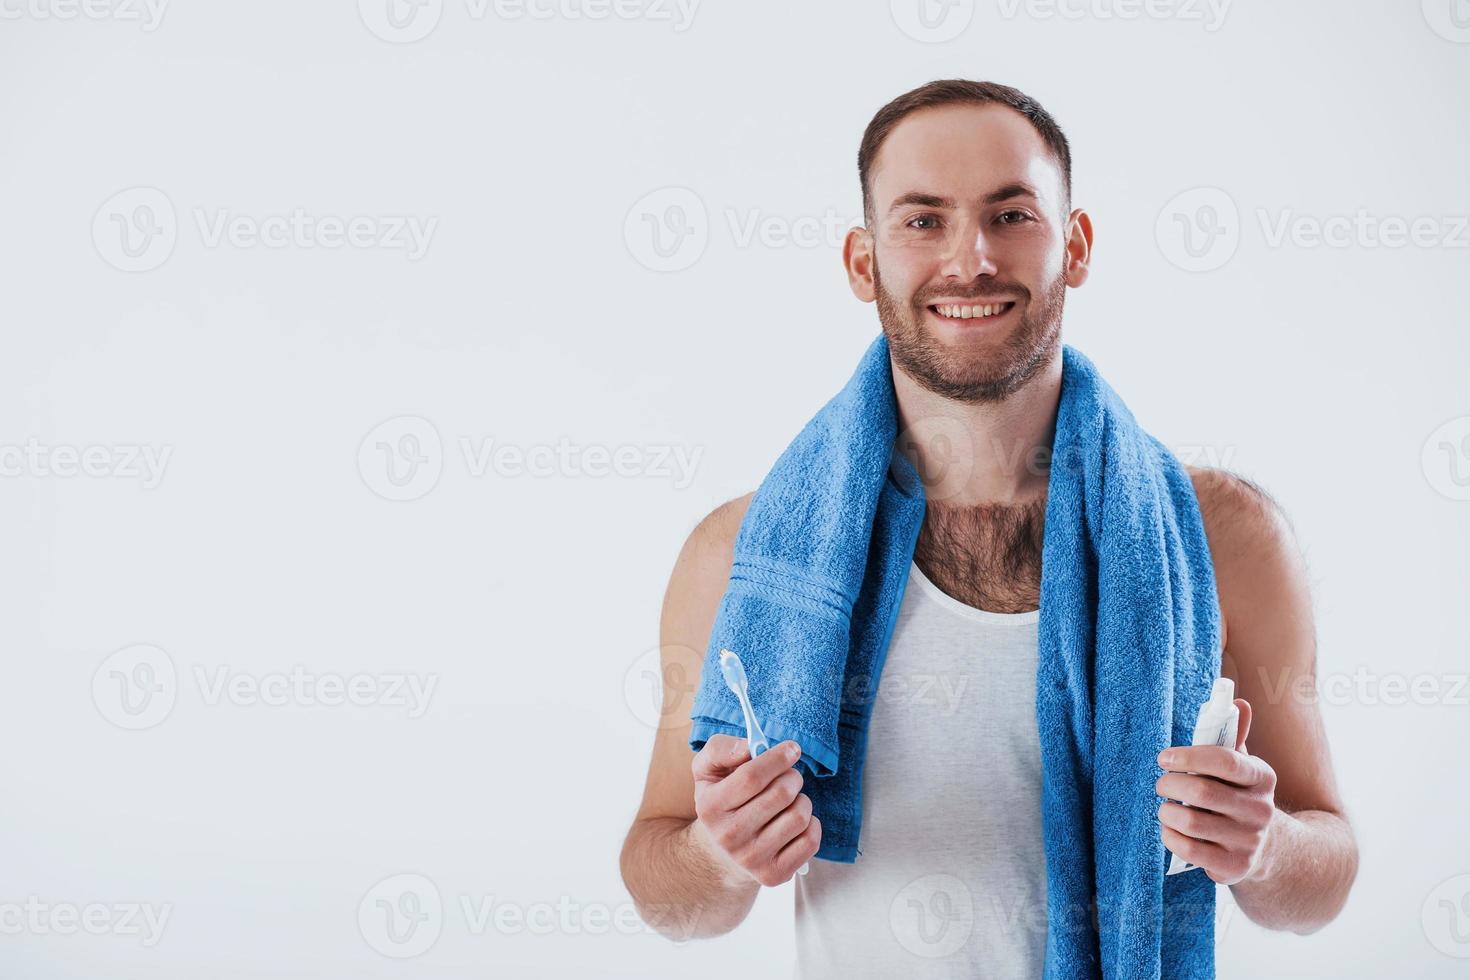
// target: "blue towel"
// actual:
[[1129, 647]]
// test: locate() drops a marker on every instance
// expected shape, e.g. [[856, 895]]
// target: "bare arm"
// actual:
[[1301, 873], [681, 884]]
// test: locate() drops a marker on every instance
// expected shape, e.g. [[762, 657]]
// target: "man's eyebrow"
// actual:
[[1015, 189], [921, 199]]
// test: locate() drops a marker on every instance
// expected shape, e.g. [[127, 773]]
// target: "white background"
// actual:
[[537, 314]]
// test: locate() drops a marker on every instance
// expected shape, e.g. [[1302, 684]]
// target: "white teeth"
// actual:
[[970, 312]]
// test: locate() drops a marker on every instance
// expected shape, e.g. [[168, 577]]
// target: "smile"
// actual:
[[985, 311]]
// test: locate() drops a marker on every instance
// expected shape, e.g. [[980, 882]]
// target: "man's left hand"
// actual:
[[1231, 797]]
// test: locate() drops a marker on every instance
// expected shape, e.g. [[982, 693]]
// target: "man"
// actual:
[[969, 244]]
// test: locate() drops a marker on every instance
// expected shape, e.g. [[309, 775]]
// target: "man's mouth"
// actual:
[[965, 312]]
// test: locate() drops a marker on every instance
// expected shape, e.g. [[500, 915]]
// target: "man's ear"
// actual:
[[1079, 247], [857, 257]]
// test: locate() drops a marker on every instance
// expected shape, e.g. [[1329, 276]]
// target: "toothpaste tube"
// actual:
[[1218, 722]]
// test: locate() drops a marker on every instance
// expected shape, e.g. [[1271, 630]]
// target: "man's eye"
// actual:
[[1020, 216], [924, 217]]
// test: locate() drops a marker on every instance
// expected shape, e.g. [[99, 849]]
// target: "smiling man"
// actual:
[[969, 245]]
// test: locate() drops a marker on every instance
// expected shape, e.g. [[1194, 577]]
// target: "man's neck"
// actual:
[[983, 453]]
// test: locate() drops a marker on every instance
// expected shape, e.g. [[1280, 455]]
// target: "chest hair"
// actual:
[[986, 555]]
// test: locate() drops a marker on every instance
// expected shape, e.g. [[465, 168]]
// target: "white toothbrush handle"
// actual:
[[755, 738]]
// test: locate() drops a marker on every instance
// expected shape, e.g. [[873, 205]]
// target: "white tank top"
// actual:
[[951, 878]]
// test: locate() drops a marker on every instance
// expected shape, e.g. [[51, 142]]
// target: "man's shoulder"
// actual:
[[1252, 545], [1237, 513], [709, 550], [719, 527], [701, 573]]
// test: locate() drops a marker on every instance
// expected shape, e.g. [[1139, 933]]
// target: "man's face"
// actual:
[[969, 209]]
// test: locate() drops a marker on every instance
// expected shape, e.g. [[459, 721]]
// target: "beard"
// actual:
[[966, 375]]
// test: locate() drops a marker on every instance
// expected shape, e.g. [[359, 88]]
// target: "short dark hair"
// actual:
[[957, 91]]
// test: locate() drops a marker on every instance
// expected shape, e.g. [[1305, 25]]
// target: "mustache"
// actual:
[[975, 296]]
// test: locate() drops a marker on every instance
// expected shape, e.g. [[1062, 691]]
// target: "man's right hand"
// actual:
[[752, 816]]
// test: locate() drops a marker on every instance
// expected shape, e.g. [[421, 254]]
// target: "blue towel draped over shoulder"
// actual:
[[1129, 638]]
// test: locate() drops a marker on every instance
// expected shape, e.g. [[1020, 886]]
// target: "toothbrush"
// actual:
[[734, 672]]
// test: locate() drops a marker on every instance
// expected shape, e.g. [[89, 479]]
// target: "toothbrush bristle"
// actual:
[[733, 669]]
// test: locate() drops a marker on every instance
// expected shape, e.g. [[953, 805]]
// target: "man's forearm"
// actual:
[[1308, 864], [678, 886]]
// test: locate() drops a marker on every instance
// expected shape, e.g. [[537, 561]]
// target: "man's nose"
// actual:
[[967, 254]]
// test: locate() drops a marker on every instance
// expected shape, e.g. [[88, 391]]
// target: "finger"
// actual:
[[1200, 852], [1214, 760], [1211, 794], [722, 754], [801, 849], [1245, 723], [1204, 825], [768, 803], [746, 782], [784, 827]]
